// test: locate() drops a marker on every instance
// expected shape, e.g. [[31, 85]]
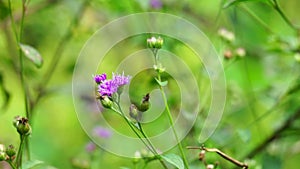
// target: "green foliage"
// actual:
[[174, 160], [32, 54]]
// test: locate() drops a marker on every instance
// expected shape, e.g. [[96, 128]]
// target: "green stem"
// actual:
[[20, 151], [284, 17], [21, 74], [255, 17], [170, 115], [151, 145], [132, 126], [11, 164]]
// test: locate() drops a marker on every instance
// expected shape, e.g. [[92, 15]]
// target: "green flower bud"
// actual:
[[145, 103], [22, 125], [159, 43], [106, 102], [134, 112], [3, 156], [155, 42], [11, 152]]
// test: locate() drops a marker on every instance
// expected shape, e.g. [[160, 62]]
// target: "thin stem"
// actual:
[[255, 17], [11, 164], [284, 17], [20, 151], [287, 124], [155, 53], [151, 145], [222, 154], [151, 148]]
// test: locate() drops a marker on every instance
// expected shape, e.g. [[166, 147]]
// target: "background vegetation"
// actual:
[[261, 119]]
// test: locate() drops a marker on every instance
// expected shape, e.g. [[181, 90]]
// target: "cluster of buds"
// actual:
[[155, 43], [135, 112], [7, 154], [22, 125], [233, 50]]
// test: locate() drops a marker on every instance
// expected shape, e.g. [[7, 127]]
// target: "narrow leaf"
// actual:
[[31, 164], [174, 160], [164, 83], [32, 54]]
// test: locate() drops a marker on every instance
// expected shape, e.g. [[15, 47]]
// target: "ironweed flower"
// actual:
[[156, 4], [90, 147], [102, 132], [109, 87], [100, 78]]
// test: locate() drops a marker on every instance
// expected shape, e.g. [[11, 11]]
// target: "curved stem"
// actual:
[[151, 145], [151, 148], [284, 17], [11, 164]]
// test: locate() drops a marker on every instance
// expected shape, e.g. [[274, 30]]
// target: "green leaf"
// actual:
[[270, 161], [31, 164], [174, 160], [164, 83], [235, 2], [32, 54]]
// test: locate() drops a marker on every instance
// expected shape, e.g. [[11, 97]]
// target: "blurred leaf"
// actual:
[[235, 2], [244, 134], [164, 83], [271, 162], [5, 92], [4, 11], [174, 160], [124, 168], [31, 164], [32, 54]]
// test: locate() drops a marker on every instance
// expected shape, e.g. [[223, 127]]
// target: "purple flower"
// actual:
[[156, 4], [100, 78], [120, 80], [102, 132], [90, 147], [109, 87]]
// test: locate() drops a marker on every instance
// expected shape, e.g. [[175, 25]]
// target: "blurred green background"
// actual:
[[262, 86]]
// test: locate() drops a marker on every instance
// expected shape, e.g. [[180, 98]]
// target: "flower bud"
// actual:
[[145, 103], [106, 102], [100, 78], [134, 112], [202, 155], [3, 156], [240, 52], [159, 43], [11, 152], [210, 166], [228, 54], [155, 42], [159, 68], [22, 125]]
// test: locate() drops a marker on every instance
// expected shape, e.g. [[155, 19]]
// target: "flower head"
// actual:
[[100, 78], [102, 132], [90, 147], [120, 80], [156, 4], [154, 42], [109, 87]]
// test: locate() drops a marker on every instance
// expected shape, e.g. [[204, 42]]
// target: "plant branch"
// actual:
[[282, 14], [222, 154], [276, 134]]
